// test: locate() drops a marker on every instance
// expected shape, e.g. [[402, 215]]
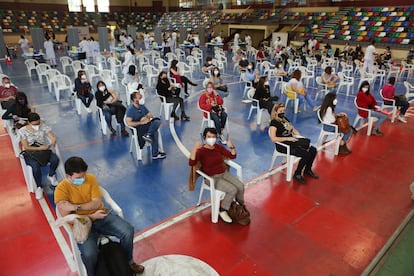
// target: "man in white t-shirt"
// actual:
[[369, 57]]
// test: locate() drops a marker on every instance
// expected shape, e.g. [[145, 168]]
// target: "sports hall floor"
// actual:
[[332, 226]]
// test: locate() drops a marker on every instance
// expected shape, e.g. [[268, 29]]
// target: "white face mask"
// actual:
[[280, 65], [141, 101], [211, 141], [101, 88], [335, 102], [266, 83], [364, 89], [35, 127], [216, 72], [7, 85], [250, 67]]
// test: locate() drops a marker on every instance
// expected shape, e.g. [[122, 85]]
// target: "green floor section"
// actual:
[[399, 261]]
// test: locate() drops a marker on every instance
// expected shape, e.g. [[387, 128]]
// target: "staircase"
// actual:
[[332, 22]]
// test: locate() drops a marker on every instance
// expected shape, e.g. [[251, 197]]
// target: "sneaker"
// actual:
[[124, 132], [222, 139], [225, 217], [52, 180], [39, 193], [136, 268], [377, 132], [147, 138], [160, 155], [112, 130], [402, 119]]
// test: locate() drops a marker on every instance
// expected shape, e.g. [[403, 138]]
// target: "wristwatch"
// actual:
[[232, 148], [78, 208]]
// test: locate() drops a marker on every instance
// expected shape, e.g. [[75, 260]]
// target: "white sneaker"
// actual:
[[39, 193], [222, 139], [402, 119], [52, 180], [225, 217]]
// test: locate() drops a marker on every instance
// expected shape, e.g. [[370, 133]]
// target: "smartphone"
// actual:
[[107, 210]]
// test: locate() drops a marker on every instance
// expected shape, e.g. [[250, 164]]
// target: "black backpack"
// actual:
[[112, 260]]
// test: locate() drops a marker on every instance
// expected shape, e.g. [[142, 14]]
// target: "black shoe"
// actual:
[[299, 178], [194, 84], [112, 130], [312, 174], [173, 115], [184, 117], [187, 94], [124, 132]]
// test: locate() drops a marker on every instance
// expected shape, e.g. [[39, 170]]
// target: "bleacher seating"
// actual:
[[190, 20]]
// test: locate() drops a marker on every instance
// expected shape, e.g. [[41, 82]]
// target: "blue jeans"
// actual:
[[111, 225], [151, 129], [86, 99], [332, 129], [119, 113], [306, 98], [219, 120], [381, 118], [37, 169]]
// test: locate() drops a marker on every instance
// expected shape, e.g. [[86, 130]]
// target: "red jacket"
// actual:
[[388, 91], [365, 101], [206, 100]]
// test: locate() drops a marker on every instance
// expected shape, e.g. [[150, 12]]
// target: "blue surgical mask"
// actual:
[[78, 181], [22, 102]]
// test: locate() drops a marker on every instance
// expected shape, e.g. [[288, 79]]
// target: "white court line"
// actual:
[[67, 253]]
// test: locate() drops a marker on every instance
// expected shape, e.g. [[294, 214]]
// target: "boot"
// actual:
[[112, 130], [173, 115], [347, 149], [184, 117], [124, 132], [343, 149]]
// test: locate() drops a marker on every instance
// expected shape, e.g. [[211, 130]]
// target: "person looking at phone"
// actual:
[[79, 193]]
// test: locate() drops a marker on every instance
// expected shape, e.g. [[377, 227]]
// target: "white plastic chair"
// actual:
[[391, 106], [208, 183], [134, 141], [346, 81], [102, 121], [162, 65], [180, 54], [288, 160], [108, 76], [30, 65], [184, 69], [76, 255], [154, 56], [206, 120], [247, 84], [100, 61], [92, 72], [291, 96], [142, 61], [322, 87], [193, 62], [170, 57], [66, 62], [409, 91], [50, 75], [254, 106], [165, 106], [114, 65], [76, 66], [360, 119], [324, 134], [151, 72], [61, 83], [41, 69]]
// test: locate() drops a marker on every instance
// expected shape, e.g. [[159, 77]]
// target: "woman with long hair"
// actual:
[[83, 88], [328, 116], [262, 94], [182, 80], [296, 86]]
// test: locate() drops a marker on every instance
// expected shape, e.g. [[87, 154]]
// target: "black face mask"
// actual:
[[281, 115]]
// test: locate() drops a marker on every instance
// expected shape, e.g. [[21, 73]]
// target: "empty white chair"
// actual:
[[108, 76], [346, 81], [360, 119], [184, 69], [135, 142], [92, 72], [409, 91], [170, 57], [151, 72], [100, 61], [66, 62], [31, 65], [61, 83], [41, 70], [216, 196], [76, 66], [142, 61], [180, 54], [255, 106], [322, 87], [50, 75], [162, 65], [193, 62], [114, 65], [154, 56]]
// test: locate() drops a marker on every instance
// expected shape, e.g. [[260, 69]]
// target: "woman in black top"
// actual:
[[108, 101], [282, 131], [182, 80], [83, 88], [20, 109], [164, 88], [263, 95]]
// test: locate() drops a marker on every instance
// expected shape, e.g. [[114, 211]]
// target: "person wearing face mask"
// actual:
[[210, 156], [164, 88], [36, 136], [212, 102], [262, 94], [329, 78], [19, 110], [328, 116], [252, 74], [7, 93], [208, 66], [83, 89], [366, 100], [243, 63], [108, 101], [261, 56], [128, 60], [138, 116], [182, 80], [296, 86], [388, 91], [79, 193], [217, 81], [280, 71], [282, 131]]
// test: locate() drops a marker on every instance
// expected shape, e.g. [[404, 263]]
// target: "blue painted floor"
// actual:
[[150, 191]]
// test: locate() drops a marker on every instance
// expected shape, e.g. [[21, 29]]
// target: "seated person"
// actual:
[[210, 155], [208, 66], [262, 94], [175, 74], [366, 100], [252, 74], [217, 81], [388, 91], [83, 89], [296, 85], [131, 76], [164, 88], [39, 138], [212, 103], [19, 110], [329, 78], [7, 93], [79, 193], [280, 71], [243, 63], [107, 100], [138, 116], [260, 56], [282, 131], [328, 116]]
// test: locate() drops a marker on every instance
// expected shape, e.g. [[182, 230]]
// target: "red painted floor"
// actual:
[[331, 226]]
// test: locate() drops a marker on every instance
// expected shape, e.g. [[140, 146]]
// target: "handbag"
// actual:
[[41, 156], [239, 213], [401, 98], [342, 122], [81, 226], [303, 143], [222, 88]]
